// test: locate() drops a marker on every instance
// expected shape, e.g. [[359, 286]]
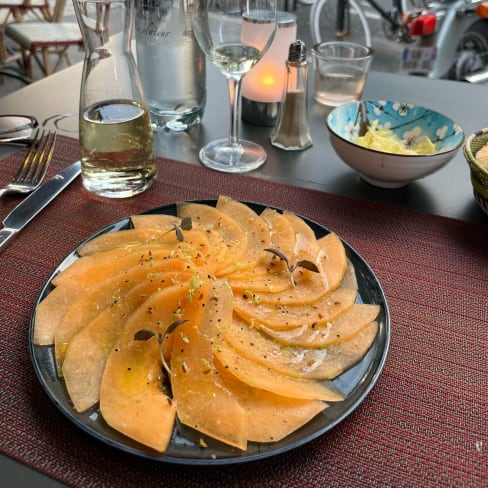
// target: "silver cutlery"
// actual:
[[32, 170], [25, 211]]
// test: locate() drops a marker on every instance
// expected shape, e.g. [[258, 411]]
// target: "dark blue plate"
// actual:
[[185, 447]]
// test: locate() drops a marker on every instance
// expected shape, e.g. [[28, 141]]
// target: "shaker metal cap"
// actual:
[[297, 51]]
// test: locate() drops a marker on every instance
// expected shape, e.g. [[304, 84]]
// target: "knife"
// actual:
[[25, 211]]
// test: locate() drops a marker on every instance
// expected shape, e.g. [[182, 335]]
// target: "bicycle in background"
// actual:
[[443, 38]]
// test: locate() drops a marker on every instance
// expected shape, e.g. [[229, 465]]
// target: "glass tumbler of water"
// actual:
[[340, 71], [171, 63], [116, 138]]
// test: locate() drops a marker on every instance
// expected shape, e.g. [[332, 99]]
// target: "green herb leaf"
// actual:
[[174, 325], [179, 234], [305, 263], [186, 223], [144, 335], [278, 254]]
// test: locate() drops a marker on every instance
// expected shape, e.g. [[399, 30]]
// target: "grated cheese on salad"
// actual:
[[386, 140]]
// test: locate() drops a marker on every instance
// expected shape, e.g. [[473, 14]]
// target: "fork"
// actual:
[[30, 174]]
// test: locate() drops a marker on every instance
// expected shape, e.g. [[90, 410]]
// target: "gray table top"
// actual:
[[448, 192]]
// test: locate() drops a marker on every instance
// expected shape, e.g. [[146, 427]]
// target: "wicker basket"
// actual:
[[479, 174]]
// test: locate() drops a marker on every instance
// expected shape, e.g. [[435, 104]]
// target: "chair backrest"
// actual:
[[6, 57], [3, 49], [58, 11]]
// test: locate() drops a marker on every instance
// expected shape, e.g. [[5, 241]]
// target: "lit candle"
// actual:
[[264, 83]]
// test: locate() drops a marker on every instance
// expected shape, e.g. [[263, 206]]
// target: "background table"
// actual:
[[447, 192]]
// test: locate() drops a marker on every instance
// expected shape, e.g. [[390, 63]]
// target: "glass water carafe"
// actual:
[[117, 147], [171, 63]]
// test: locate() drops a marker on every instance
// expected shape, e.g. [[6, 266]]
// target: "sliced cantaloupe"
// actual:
[[270, 417], [88, 270], [91, 303], [332, 259], [54, 306], [257, 378], [349, 280], [262, 282], [50, 311], [285, 317], [306, 246], [271, 269], [317, 364], [122, 238], [204, 403], [84, 275], [86, 356], [131, 392], [281, 232], [224, 233], [308, 286], [256, 229], [89, 348], [341, 329], [256, 375], [163, 222], [274, 282]]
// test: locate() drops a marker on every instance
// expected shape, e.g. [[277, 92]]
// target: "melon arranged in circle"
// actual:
[[234, 322]]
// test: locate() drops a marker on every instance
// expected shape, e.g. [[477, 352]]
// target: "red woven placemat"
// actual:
[[423, 424]]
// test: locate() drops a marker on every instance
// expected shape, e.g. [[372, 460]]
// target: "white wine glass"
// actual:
[[234, 35]]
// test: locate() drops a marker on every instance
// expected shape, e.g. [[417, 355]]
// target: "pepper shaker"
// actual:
[[292, 131]]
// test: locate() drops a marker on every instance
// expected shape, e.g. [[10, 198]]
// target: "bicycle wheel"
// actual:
[[323, 23]]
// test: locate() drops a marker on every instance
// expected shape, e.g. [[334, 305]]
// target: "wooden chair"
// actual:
[[10, 66], [40, 40], [19, 10]]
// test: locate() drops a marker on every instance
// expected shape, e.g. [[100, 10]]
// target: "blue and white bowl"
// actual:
[[407, 121]]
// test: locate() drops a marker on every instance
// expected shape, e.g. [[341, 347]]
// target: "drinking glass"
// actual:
[[234, 35]]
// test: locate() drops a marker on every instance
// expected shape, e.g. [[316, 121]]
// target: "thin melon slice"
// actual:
[[91, 269], [341, 329], [256, 375], [308, 286], [91, 303], [262, 282], [266, 270], [88, 350], [50, 311], [285, 317], [332, 259], [163, 222], [306, 246], [281, 231], [279, 288], [317, 364], [256, 230], [270, 417], [122, 238], [54, 306], [225, 234], [203, 401], [350, 279], [131, 393]]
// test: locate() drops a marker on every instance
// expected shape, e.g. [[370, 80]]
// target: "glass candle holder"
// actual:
[[262, 87]]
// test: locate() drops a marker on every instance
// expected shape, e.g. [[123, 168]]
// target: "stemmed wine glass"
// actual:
[[234, 35]]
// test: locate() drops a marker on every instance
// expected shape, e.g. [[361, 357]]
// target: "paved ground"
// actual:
[[387, 53]]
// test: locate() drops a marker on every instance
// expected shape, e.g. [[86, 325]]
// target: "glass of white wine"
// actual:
[[234, 35]]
